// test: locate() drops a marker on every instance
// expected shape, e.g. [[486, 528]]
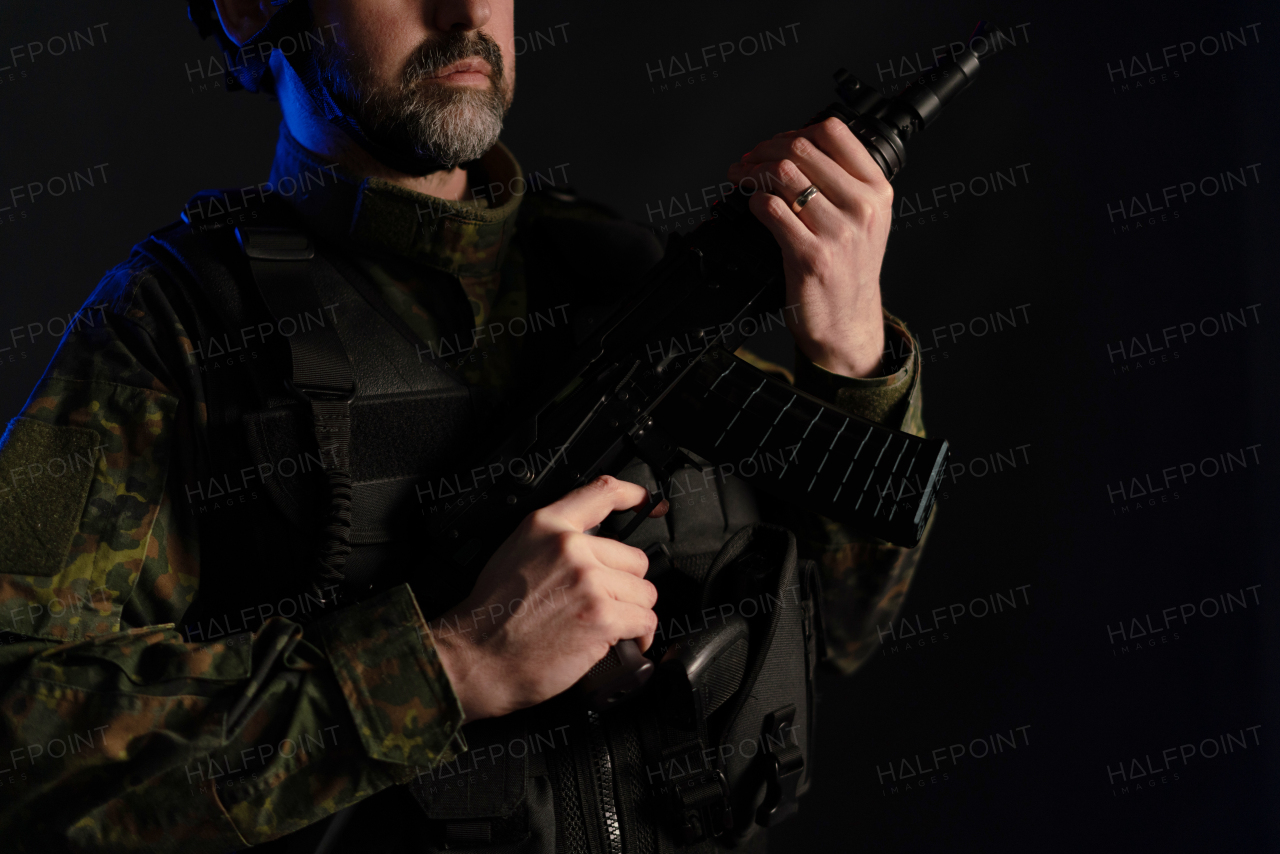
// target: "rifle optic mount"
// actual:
[[883, 124]]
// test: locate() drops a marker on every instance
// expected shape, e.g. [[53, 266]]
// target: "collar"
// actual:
[[373, 216]]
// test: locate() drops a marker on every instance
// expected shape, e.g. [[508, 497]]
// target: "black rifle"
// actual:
[[658, 380]]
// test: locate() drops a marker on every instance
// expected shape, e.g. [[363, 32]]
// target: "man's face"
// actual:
[[441, 73]]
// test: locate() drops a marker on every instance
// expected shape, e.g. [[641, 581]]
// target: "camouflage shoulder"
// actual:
[[87, 458], [126, 289]]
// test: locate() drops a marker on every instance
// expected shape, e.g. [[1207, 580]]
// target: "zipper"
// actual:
[[602, 766]]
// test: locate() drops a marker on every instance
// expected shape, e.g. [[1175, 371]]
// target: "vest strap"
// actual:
[[321, 374]]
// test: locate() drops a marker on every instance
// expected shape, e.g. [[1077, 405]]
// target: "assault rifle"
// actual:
[[627, 393]]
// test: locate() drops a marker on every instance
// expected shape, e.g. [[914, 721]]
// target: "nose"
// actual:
[[461, 15]]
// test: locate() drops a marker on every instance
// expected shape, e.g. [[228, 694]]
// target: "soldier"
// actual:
[[167, 680]]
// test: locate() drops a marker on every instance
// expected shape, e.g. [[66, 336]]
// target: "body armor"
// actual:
[[683, 767]]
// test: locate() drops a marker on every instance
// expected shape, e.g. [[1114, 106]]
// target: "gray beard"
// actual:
[[455, 125], [452, 124]]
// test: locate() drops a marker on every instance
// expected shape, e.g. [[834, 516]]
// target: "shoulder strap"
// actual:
[[320, 373], [363, 286]]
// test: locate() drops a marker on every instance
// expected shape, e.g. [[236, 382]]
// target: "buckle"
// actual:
[[338, 596], [702, 807], [314, 393], [697, 804], [783, 764], [275, 244]]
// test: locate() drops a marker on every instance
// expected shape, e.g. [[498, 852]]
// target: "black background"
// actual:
[[590, 103]]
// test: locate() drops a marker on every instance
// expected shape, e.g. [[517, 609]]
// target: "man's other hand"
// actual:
[[548, 605], [832, 248]]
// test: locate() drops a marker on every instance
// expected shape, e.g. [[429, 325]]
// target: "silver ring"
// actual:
[[803, 198]]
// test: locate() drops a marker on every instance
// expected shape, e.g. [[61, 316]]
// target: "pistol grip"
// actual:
[[618, 675]]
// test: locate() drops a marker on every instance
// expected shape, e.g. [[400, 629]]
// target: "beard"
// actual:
[[447, 123]]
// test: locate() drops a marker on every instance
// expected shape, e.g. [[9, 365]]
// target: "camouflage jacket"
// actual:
[[117, 733]]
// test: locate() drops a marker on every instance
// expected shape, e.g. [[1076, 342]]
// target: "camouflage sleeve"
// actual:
[[115, 734], [864, 580]]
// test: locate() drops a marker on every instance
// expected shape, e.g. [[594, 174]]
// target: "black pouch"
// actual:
[[747, 763]]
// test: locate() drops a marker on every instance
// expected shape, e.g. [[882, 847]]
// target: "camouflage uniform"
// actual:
[[117, 733]]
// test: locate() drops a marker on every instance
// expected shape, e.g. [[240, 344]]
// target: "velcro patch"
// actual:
[[45, 474]]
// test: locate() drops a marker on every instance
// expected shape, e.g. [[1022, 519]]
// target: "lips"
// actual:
[[473, 65]]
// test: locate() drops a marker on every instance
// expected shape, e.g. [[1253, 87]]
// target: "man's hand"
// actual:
[[833, 247], [548, 605]]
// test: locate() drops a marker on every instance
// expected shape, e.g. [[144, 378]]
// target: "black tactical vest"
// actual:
[[551, 778]]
